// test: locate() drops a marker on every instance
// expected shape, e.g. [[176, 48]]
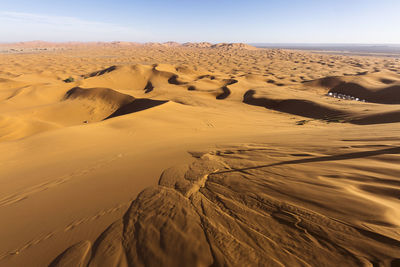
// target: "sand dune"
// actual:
[[379, 87], [116, 104], [120, 154], [232, 207], [345, 88], [301, 107]]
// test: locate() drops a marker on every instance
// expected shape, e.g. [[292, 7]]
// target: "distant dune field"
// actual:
[[197, 154]]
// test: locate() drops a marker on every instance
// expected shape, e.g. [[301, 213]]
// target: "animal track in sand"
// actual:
[[96, 216], [69, 227], [27, 245], [53, 182]]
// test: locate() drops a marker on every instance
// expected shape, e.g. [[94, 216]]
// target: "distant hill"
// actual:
[[43, 44]]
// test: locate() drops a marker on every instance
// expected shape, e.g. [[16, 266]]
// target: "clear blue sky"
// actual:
[[278, 21]]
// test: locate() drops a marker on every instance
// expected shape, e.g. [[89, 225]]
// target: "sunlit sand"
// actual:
[[123, 154]]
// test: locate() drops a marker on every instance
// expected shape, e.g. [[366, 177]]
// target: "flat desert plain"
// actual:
[[124, 154]]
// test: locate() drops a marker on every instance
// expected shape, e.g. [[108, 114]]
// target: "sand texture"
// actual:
[[196, 154]]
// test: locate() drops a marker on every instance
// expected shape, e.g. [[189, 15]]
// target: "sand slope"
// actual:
[[248, 205]]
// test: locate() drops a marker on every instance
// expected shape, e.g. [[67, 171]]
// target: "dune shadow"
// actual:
[[136, 105], [314, 110], [329, 81], [379, 118], [386, 81], [387, 95], [354, 155], [230, 81], [149, 87], [395, 263], [299, 107], [211, 77], [174, 80], [225, 93], [100, 72]]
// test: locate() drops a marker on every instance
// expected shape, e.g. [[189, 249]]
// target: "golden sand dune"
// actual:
[[378, 87], [89, 102], [197, 154], [85, 103]]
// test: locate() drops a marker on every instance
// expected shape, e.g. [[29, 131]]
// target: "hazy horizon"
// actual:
[[183, 42], [386, 50], [283, 22]]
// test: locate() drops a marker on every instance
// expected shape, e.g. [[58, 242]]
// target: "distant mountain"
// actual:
[[43, 44]]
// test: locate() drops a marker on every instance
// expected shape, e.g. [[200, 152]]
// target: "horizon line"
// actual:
[[171, 41]]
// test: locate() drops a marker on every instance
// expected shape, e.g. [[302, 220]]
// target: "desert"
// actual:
[[197, 154]]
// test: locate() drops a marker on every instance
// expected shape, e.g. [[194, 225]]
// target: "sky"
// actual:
[[251, 21]]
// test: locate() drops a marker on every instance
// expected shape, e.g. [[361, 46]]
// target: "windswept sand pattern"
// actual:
[[247, 205]]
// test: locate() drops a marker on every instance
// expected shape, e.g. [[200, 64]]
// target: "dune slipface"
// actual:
[[197, 154]]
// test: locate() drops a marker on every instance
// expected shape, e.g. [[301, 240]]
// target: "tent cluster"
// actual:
[[346, 97]]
